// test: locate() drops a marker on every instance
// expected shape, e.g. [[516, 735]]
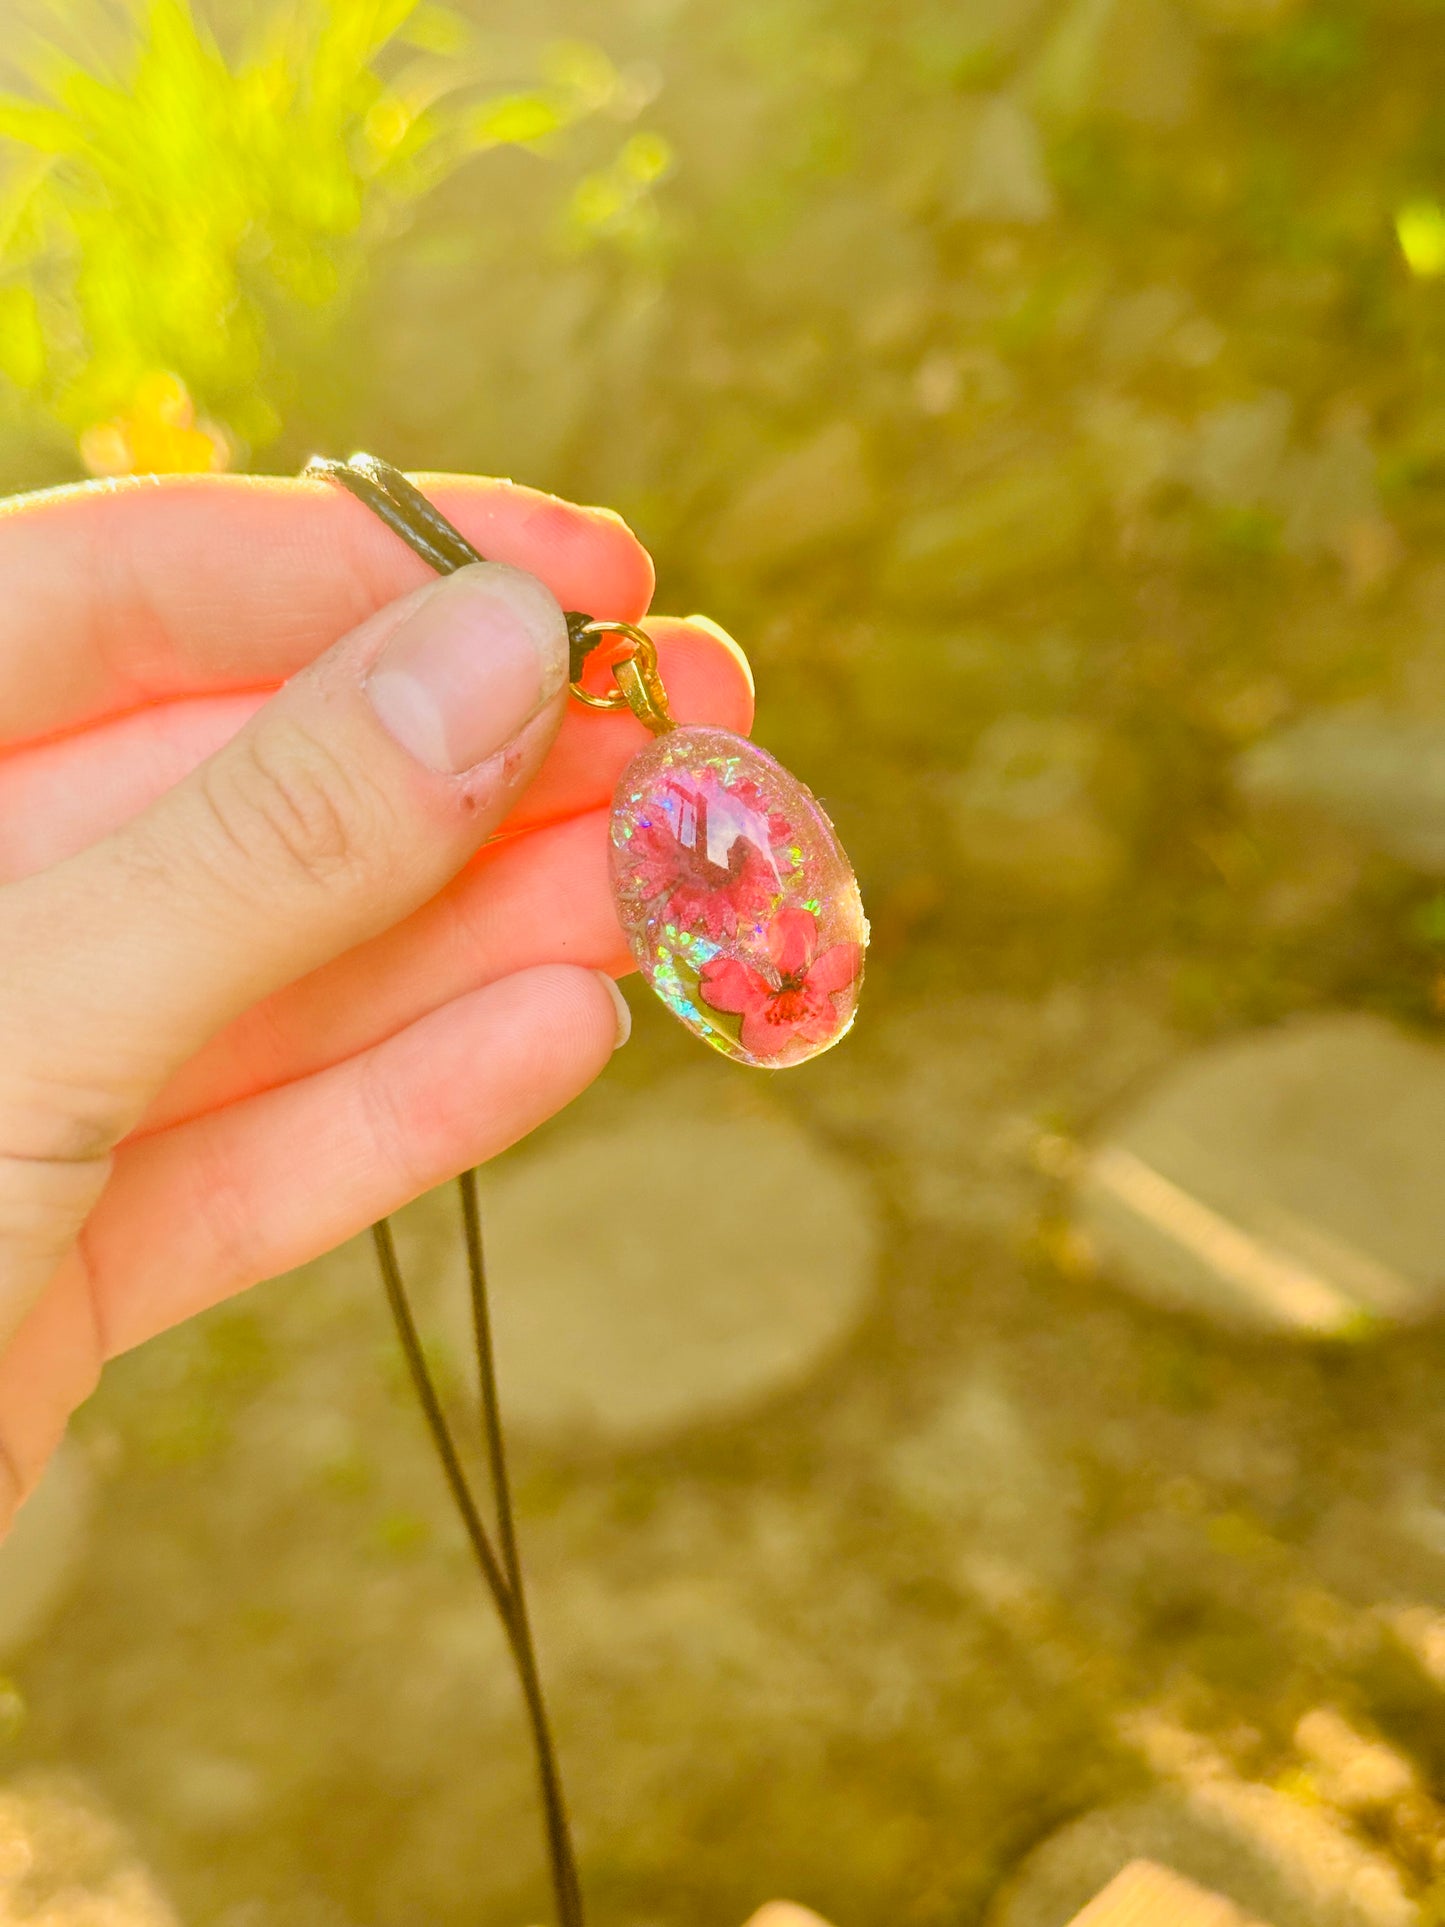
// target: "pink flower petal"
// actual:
[[763, 1036], [792, 939], [729, 985], [835, 968]]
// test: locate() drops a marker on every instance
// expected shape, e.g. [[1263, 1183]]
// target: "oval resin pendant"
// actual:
[[739, 905]]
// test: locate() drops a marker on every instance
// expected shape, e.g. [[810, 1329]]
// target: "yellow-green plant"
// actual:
[[164, 222]]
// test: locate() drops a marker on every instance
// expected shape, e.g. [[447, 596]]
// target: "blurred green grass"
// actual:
[[182, 220]]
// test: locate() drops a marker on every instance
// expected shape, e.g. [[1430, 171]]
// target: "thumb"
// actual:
[[349, 799]]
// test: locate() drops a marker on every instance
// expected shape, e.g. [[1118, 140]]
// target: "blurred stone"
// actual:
[[813, 265], [1015, 524], [1421, 675], [936, 384], [1003, 176], [1271, 1857], [213, 1793], [1197, 342], [1351, 1771], [1378, 774], [39, 1559], [979, 1469], [1239, 451], [1137, 326], [679, 1267], [1149, 65], [1148, 1895], [1316, 867], [1291, 1181], [1421, 1632], [917, 686], [1137, 449], [1334, 506], [1022, 810], [976, 388], [1328, 497], [954, 1092], [894, 320], [64, 1862], [1063, 78], [948, 42], [810, 499]]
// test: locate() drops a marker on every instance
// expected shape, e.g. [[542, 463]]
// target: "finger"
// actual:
[[60, 796], [196, 1214], [57, 798], [537, 899], [50, 1368], [349, 799], [126, 593]]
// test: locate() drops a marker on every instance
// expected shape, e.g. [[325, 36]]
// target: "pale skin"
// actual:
[[260, 979], [264, 973]]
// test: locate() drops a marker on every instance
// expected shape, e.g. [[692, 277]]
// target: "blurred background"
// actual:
[[1013, 1443]]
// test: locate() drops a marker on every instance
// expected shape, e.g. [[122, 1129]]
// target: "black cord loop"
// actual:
[[399, 503]]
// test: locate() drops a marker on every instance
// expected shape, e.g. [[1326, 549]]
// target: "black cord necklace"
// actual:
[[406, 510]]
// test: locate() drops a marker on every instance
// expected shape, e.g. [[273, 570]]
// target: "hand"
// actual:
[[257, 984]]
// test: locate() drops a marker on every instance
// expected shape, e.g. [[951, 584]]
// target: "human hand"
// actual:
[[259, 982]]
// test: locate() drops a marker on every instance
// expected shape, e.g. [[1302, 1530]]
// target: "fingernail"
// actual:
[[471, 666], [621, 1006]]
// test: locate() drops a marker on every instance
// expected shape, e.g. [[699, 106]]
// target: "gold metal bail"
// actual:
[[639, 686]]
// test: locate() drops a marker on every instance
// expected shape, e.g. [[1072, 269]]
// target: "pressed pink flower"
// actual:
[[674, 865], [793, 1003]]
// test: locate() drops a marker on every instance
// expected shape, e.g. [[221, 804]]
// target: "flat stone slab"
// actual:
[[1148, 1895], [1269, 1858], [1290, 1181], [1377, 774], [674, 1268], [64, 1862], [1006, 1508]]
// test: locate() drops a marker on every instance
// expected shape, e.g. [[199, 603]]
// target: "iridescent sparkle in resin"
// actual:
[[741, 909]]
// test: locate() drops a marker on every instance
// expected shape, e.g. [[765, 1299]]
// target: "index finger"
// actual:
[[120, 594]]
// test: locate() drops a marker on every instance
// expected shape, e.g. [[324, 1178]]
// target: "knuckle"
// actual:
[[58, 1105], [286, 805], [51, 1121]]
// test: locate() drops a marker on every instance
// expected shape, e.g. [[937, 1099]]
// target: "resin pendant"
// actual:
[[737, 900]]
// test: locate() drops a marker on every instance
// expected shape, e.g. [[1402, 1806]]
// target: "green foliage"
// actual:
[[195, 213], [1325, 46]]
